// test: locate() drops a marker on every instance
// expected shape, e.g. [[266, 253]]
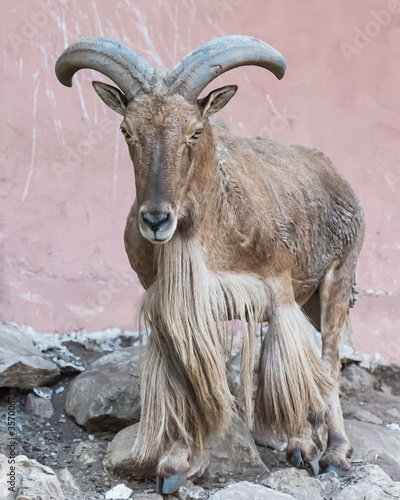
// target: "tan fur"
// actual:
[[251, 228], [292, 378], [185, 394], [244, 210], [184, 388]]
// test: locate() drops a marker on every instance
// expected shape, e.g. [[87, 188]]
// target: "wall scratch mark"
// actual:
[[63, 26], [97, 19], [174, 23], [273, 107], [116, 159], [59, 131], [33, 154], [142, 27], [83, 105]]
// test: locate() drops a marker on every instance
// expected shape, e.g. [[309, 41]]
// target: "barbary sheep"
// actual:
[[227, 228]]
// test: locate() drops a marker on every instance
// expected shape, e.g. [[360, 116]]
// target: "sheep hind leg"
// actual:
[[335, 293], [302, 451], [305, 449], [292, 378], [312, 309]]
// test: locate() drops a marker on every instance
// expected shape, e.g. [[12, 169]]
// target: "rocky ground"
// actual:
[[77, 406]]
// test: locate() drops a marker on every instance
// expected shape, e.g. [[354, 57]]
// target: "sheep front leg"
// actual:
[[185, 396], [163, 438], [172, 469]]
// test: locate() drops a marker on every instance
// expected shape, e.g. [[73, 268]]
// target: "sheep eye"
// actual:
[[196, 135], [124, 132]]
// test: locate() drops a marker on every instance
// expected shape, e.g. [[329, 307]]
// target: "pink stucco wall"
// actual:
[[67, 181]]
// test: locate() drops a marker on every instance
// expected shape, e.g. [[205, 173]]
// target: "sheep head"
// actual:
[[164, 121]]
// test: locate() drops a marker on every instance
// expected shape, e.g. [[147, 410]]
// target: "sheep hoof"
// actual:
[[297, 459], [332, 468], [314, 466], [168, 485], [159, 484], [298, 462]]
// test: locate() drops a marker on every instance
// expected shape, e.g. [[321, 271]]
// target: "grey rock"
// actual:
[[355, 380], [61, 356], [39, 407], [370, 483], [21, 363], [191, 492], [393, 426], [5, 493], [119, 460], [87, 452], [109, 340], [393, 412], [267, 437], [69, 484], [43, 392], [234, 453], [106, 397], [375, 444], [34, 481], [348, 354], [37, 442], [249, 491], [331, 483], [295, 482], [362, 492], [367, 416], [119, 492], [8, 445], [373, 474], [387, 379], [148, 496]]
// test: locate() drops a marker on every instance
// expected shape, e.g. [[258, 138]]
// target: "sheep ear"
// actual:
[[111, 96], [216, 100]]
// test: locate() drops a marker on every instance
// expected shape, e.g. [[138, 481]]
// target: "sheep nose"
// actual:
[[155, 219]]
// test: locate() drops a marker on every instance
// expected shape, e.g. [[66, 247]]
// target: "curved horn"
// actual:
[[127, 69], [200, 67]]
